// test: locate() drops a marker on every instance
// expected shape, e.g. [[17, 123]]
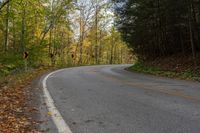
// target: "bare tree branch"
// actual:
[[4, 4]]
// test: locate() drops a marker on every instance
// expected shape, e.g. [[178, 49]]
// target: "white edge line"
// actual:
[[55, 114]]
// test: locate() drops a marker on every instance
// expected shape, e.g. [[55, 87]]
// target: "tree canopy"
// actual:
[[159, 28], [37, 33]]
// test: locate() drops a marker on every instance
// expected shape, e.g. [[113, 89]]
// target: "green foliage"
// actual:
[[46, 30], [141, 68], [9, 63], [159, 27]]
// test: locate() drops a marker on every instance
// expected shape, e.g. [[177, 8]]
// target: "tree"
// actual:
[[159, 28], [55, 33], [4, 4]]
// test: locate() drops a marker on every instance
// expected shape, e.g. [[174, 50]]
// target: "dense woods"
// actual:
[[159, 37], [37, 33], [160, 28]]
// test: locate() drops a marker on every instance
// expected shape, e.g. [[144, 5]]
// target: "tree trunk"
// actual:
[[6, 43], [96, 26], [23, 30], [191, 35]]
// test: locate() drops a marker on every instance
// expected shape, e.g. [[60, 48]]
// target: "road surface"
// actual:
[[109, 99]]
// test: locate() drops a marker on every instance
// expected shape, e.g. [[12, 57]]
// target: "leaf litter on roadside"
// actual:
[[14, 109]]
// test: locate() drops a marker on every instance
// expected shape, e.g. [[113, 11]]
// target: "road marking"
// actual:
[[55, 114]]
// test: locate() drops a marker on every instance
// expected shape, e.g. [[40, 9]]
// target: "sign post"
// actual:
[[25, 56]]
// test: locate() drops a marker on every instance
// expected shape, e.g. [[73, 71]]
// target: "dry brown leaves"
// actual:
[[177, 63], [14, 117]]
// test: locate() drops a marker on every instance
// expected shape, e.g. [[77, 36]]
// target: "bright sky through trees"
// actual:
[[59, 33]]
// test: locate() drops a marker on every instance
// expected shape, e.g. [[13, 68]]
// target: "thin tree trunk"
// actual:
[[23, 30], [96, 26], [121, 55], [6, 43], [14, 35], [192, 43], [4, 4], [100, 49], [111, 51], [81, 41], [191, 35]]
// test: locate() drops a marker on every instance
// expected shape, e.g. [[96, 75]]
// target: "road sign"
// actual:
[[26, 55], [72, 56]]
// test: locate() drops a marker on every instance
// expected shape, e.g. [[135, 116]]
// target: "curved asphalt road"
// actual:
[[109, 99]]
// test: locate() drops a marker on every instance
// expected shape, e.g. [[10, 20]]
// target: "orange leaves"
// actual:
[[14, 109]]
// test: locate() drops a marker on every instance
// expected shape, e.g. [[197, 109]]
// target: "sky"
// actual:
[[108, 22]]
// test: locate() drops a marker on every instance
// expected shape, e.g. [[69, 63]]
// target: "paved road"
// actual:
[[109, 99]]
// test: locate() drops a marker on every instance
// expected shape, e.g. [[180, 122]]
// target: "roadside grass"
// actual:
[[185, 75]]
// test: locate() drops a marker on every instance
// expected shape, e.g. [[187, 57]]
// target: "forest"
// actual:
[[158, 29], [58, 33], [159, 37]]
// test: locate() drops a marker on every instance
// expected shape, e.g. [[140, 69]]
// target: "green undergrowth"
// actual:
[[186, 75], [21, 77]]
